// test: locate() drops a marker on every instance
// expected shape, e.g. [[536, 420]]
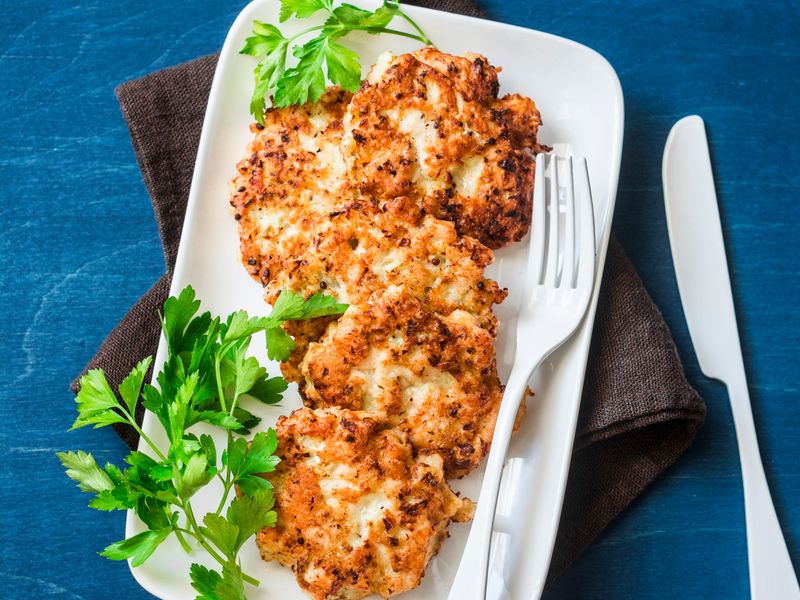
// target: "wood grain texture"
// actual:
[[80, 245]]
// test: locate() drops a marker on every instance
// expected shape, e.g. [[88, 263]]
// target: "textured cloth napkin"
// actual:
[[639, 413]]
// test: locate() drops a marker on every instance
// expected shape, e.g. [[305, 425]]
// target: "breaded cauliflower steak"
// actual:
[[290, 176], [430, 375], [357, 513], [429, 126]]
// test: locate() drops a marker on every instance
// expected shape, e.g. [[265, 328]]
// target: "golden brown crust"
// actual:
[[357, 513], [429, 126], [289, 176], [430, 375], [304, 333]]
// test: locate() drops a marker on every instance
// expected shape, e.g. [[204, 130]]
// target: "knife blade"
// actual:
[[701, 269]]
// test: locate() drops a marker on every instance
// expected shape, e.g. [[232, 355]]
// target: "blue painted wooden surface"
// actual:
[[79, 245]]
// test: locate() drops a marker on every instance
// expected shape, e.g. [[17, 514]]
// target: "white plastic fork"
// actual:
[[558, 285]]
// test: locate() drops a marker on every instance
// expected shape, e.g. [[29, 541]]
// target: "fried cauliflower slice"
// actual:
[[293, 171], [429, 126], [431, 375], [357, 513]]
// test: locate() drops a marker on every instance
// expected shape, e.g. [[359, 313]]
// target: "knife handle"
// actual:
[[772, 575]]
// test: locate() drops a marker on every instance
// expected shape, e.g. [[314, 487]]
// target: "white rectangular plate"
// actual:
[[580, 99]]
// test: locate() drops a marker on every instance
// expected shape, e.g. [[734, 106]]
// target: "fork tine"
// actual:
[[587, 251], [551, 271], [536, 256], [568, 268]]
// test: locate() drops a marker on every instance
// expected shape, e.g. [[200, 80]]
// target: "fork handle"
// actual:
[[771, 573], [470, 580]]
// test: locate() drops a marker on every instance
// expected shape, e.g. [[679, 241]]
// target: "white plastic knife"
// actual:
[[701, 268]]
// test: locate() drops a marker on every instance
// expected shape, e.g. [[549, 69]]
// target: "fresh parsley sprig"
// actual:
[[205, 376], [306, 80]]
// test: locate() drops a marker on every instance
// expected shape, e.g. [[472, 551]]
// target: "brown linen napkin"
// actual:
[[639, 413]]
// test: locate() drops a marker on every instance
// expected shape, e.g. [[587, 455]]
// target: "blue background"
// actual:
[[79, 245]]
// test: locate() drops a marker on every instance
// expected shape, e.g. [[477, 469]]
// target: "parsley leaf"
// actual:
[[268, 390], [306, 81], [266, 38], [279, 344], [251, 513], [178, 313], [348, 15], [81, 467], [246, 515], [220, 532], [131, 386], [247, 461], [268, 43], [320, 59], [155, 514], [381, 17], [291, 306], [195, 475], [205, 581], [344, 68], [209, 449], [96, 402], [213, 586], [138, 548], [321, 305], [302, 8], [232, 586], [248, 372], [239, 325]]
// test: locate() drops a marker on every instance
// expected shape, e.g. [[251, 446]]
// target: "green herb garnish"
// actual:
[[206, 374], [307, 80]]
